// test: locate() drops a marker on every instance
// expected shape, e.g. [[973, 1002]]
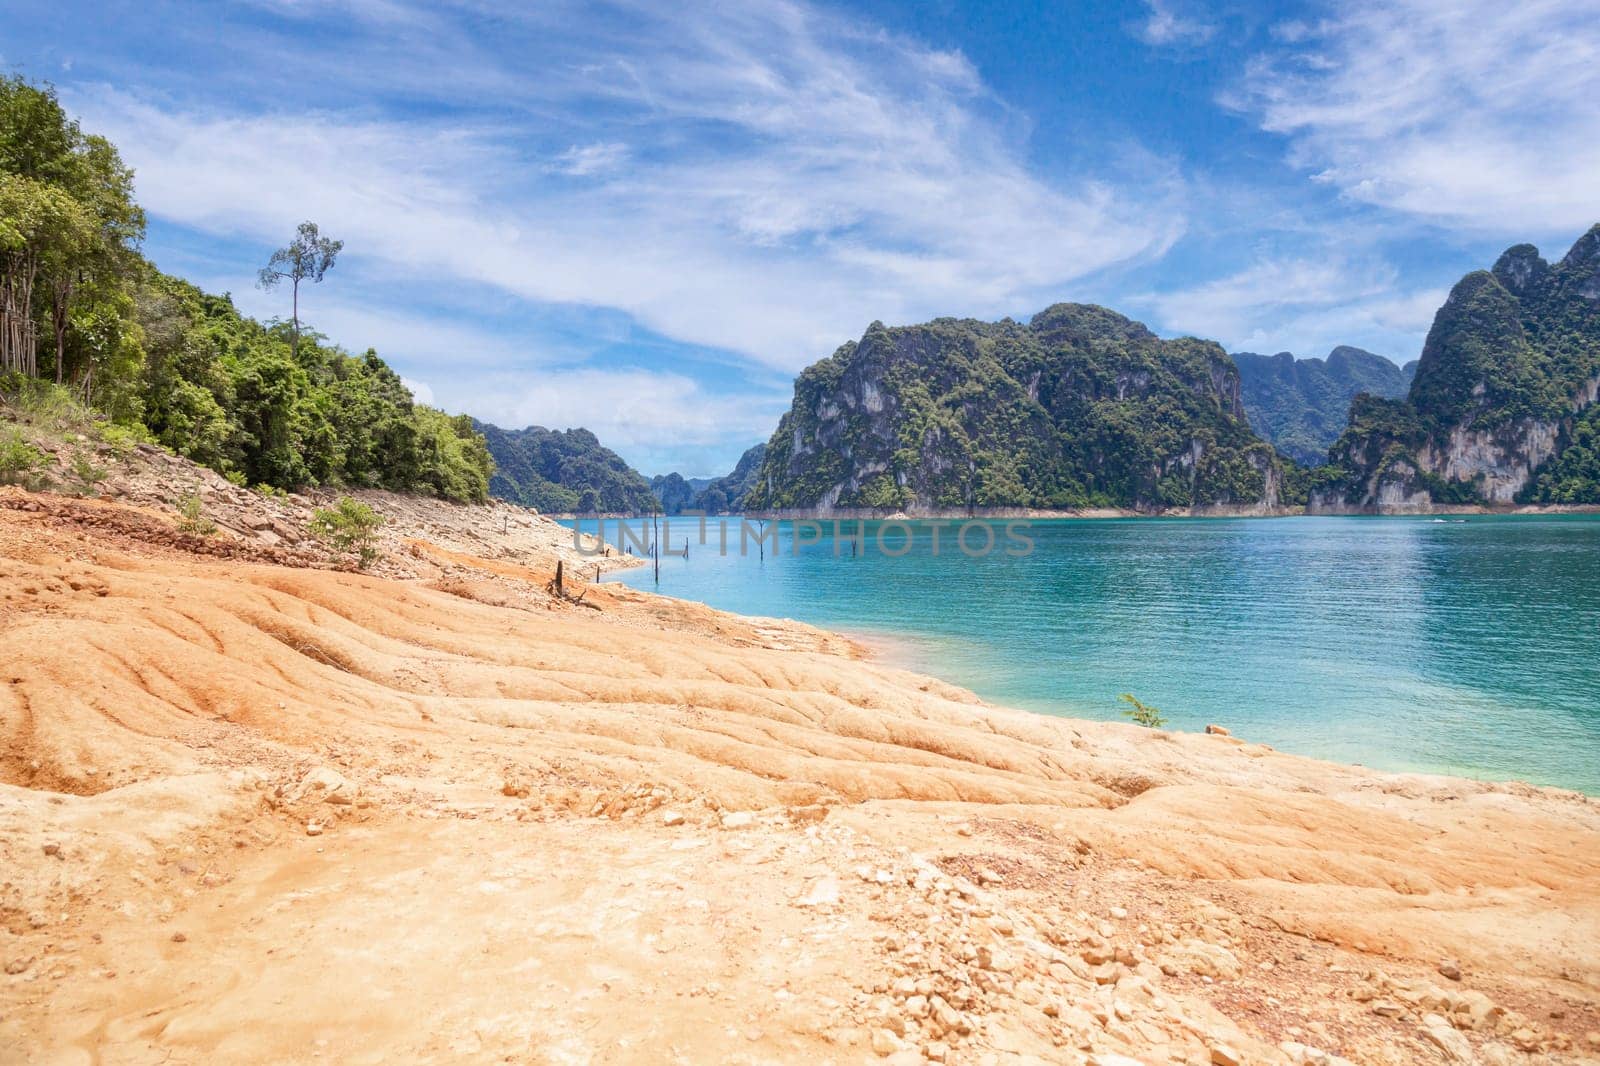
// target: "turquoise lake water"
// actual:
[[1467, 646]]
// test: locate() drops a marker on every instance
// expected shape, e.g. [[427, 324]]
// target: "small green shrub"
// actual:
[[272, 492], [192, 518], [20, 462], [86, 476], [1142, 713], [122, 439], [349, 526]]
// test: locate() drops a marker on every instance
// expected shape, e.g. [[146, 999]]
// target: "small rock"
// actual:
[[823, 892], [1218, 731], [1387, 1008], [53, 848], [1443, 1035], [179, 937], [1119, 913], [884, 1042], [987, 876], [738, 819], [313, 829], [994, 959], [1223, 1055], [1450, 969], [671, 817]]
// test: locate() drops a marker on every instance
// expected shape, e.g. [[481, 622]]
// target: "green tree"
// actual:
[[306, 258]]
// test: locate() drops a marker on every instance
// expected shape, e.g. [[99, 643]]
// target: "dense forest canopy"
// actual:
[[1080, 407], [563, 472], [270, 404], [1300, 405]]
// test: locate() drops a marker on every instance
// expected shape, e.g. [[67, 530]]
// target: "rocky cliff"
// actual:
[[1301, 405], [1080, 407], [1502, 409]]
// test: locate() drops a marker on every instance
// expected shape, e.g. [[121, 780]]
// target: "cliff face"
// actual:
[[1300, 405], [1502, 408], [1080, 407]]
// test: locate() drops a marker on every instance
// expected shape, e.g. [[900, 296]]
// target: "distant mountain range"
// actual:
[[1301, 406], [722, 495], [1081, 407]]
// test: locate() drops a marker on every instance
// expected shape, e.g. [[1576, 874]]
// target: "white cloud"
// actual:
[[1477, 113], [581, 160], [658, 421], [421, 391], [1304, 305], [1165, 26], [763, 178]]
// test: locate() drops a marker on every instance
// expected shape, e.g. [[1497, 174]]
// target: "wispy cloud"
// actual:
[[1301, 304], [1475, 113], [761, 178], [661, 420], [582, 160], [1165, 26]]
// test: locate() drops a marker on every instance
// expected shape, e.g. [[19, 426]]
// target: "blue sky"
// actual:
[[646, 218]]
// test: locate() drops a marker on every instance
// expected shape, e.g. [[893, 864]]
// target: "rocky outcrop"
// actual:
[[1499, 411], [1079, 408]]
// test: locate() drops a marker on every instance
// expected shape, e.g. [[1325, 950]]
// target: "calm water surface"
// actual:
[[1468, 646]]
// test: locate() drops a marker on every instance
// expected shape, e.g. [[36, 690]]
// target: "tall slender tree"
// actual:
[[307, 258]]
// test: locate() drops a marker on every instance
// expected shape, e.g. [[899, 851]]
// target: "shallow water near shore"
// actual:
[[1463, 645]]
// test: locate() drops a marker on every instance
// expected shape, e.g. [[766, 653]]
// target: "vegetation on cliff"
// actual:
[[265, 404], [1502, 406], [1080, 407], [560, 472], [1301, 405], [720, 495]]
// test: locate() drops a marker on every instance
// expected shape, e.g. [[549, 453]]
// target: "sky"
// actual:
[[645, 219]]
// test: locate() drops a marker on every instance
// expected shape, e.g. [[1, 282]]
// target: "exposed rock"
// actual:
[[1224, 1055], [822, 892], [1443, 1035], [1198, 957]]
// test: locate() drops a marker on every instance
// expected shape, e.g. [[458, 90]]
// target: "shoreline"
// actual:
[[1099, 514], [909, 651]]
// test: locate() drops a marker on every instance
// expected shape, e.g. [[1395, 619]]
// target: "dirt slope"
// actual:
[[260, 812]]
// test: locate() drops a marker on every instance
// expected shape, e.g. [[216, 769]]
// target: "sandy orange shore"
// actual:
[[253, 811]]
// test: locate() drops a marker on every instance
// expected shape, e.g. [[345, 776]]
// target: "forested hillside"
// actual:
[[1080, 407], [569, 471], [1301, 405], [720, 495], [83, 311]]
